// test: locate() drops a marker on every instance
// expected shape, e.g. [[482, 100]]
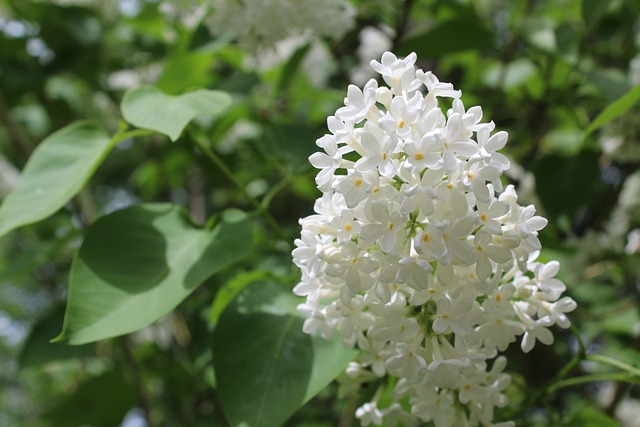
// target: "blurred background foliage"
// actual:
[[541, 70]]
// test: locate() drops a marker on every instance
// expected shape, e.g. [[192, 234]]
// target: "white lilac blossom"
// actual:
[[262, 23], [419, 256]]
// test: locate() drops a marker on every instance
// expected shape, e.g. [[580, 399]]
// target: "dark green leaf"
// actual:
[[593, 10], [39, 350], [565, 184], [148, 108], [56, 171], [266, 367], [611, 83], [291, 67], [228, 292], [137, 264], [291, 144], [590, 417], [615, 110], [449, 37], [101, 401]]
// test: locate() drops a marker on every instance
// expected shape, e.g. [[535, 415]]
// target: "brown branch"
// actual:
[[134, 367], [401, 22], [13, 129]]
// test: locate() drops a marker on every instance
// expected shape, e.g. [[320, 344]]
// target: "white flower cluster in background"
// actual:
[[419, 256], [262, 23]]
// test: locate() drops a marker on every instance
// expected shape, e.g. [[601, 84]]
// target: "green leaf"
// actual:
[[266, 367], [229, 290], [101, 401], [593, 10], [137, 264], [38, 349], [615, 110], [456, 35], [55, 172], [622, 322], [148, 108], [291, 144], [291, 67], [590, 417], [565, 184], [611, 82], [509, 75], [186, 70], [539, 32]]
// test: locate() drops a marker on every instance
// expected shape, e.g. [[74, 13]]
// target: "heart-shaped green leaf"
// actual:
[[55, 172], [148, 108], [137, 264], [266, 366]]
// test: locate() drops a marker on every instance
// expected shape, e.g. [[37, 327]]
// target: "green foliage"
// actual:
[[101, 401], [451, 36], [38, 350], [212, 334], [590, 417], [615, 110], [139, 263], [567, 184], [266, 367], [56, 172], [148, 108]]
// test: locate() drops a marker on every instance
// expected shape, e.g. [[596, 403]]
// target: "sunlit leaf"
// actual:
[[509, 75], [184, 71], [148, 108], [55, 172], [266, 367], [291, 67], [229, 290], [615, 110], [137, 264]]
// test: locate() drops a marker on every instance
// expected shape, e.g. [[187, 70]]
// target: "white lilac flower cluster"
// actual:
[[419, 256], [262, 23]]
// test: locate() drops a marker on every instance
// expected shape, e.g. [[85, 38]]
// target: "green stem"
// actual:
[[266, 200], [613, 362], [201, 141], [557, 379], [123, 135]]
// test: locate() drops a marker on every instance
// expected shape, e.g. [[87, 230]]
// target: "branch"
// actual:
[[14, 131], [134, 367]]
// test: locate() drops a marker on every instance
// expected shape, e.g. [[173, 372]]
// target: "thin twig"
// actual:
[[201, 142], [402, 21], [13, 129], [134, 367]]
